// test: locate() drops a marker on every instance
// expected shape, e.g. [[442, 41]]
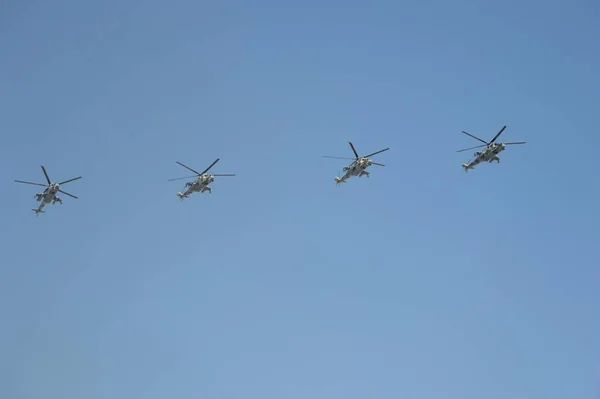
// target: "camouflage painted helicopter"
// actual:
[[359, 165], [489, 154], [49, 194], [201, 183]]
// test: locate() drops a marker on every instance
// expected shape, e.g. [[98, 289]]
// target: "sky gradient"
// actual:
[[420, 282]]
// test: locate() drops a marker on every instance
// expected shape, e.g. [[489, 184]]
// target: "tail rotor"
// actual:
[[339, 179]]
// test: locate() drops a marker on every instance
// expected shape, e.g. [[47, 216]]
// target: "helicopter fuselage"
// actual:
[[201, 184], [491, 151], [358, 168], [489, 154], [49, 195], [359, 165]]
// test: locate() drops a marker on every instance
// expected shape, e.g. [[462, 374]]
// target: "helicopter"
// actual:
[[201, 183], [49, 194], [489, 154], [359, 165]]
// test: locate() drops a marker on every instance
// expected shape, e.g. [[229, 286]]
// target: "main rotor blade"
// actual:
[[378, 164], [353, 149], [180, 178], [70, 180], [375, 153], [472, 148], [517, 142], [352, 159], [46, 174], [34, 184], [476, 138], [211, 165], [187, 167], [70, 195], [224, 174], [499, 133]]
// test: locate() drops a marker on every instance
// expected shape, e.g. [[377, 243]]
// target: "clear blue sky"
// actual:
[[420, 282]]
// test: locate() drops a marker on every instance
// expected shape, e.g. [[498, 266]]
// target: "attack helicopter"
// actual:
[[201, 184], [49, 194], [359, 165], [489, 154]]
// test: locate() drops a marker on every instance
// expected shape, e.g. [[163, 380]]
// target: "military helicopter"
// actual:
[[49, 194], [359, 165], [489, 154], [201, 183]]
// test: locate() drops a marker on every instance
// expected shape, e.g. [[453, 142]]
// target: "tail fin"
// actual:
[[181, 195], [466, 167], [38, 211], [339, 180]]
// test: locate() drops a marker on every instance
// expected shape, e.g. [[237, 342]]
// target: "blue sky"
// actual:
[[419, 282]]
